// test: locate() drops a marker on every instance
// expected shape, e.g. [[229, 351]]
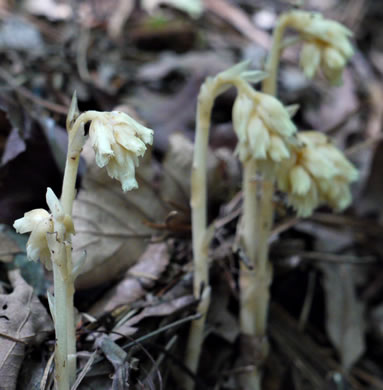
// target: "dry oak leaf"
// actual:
[[138, 279], [110, 225], [114, 228], [23, 320]]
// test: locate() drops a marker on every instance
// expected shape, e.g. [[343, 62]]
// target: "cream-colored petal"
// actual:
[[278, 150], [259, 138], [242, 109], [54, 204], [102, 139], [30, 220], [129, 142], [300, 180], [38, 239], [274, 115], [318, 166], [333, 58], [310, 58]]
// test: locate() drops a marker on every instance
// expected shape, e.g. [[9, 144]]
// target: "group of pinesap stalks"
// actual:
[[304, 165]]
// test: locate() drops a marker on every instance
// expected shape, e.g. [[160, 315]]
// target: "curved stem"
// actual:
[[200, 235], [63, 273], [269, 84]]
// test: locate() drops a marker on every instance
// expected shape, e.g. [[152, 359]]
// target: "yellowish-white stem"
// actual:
[[60, 277], [249, 239], [61, 354], [257, 223], [209, 91], [63, 271], [269, 84]]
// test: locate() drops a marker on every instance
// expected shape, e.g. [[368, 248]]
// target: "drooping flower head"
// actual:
[[263, 126], [39, 223], [118, 140], [326, 44], [317, 173]]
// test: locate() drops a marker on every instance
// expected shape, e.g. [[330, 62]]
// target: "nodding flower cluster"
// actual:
[[262, 124], [305, 165], [316, 173], [41, 223], [118, 141], [326, 44]]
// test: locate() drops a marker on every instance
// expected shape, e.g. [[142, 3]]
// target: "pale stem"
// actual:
[[250, 240], [209, 91], [196, 336], [263, 269], [64, 288], [269, 84], [71, 323], [61, 352], [257, 221]]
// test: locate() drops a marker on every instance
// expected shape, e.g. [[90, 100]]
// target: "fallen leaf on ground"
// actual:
[[114, 228], [162, 309], [23, 321], [137, 280], [110, 224], [239, 19], [345, 313]]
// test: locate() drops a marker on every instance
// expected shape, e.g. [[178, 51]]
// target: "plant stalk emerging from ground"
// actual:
[[326, 46], [118, 141], [239, 77]]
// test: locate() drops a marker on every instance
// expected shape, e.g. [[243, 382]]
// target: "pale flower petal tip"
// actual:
[[235, 70], [254, 76], [73, 112], [54, 204]]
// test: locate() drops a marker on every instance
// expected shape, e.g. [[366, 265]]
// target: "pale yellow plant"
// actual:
[[118, 141]]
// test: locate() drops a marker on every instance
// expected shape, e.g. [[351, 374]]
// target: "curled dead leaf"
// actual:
[[23, 320]]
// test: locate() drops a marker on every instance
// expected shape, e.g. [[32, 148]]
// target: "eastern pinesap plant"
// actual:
[[304, 165], [118, 141]]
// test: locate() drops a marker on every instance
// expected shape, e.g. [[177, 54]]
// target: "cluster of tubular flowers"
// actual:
[[326, 44], [118, 140], [263, 127], [40, 223], [316, 173]]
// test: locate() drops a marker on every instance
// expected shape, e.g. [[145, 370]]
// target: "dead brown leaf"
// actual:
[[23, 320], [110, 224], [114, 228], [239, 19], [137, 280], [163, 309], [345, 313]]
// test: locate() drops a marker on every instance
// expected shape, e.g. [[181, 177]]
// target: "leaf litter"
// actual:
[[136, 282]]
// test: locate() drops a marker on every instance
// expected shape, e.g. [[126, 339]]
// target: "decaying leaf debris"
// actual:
[[134, 295]]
